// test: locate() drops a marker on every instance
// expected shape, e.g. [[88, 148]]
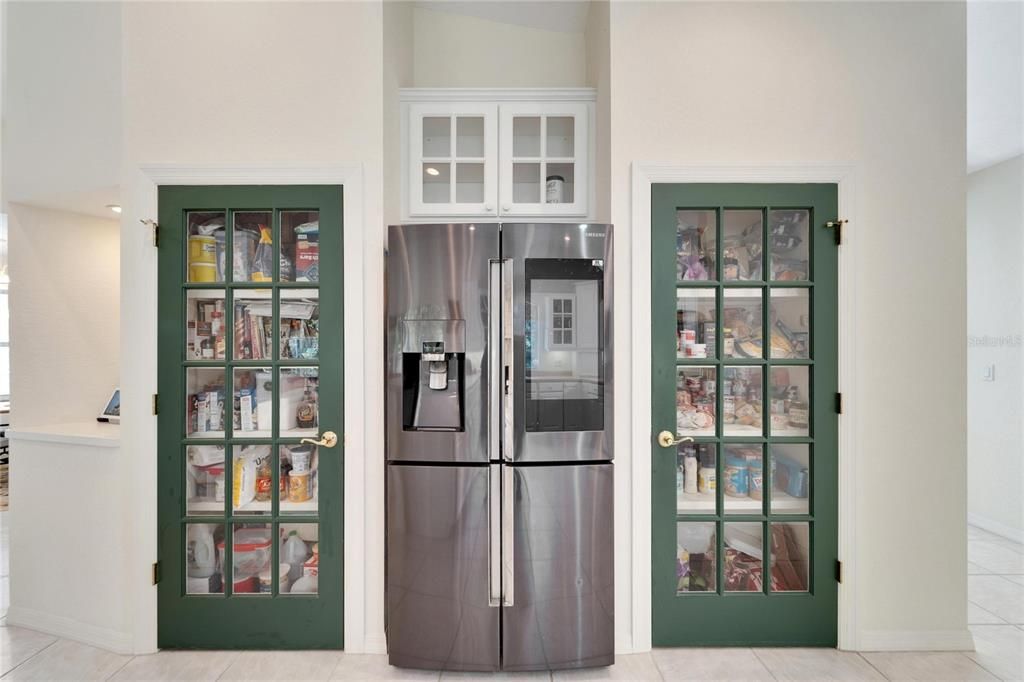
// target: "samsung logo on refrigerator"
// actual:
[[593, 234]]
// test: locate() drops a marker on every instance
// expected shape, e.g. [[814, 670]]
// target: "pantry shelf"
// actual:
[[691, 503], [207, 506]]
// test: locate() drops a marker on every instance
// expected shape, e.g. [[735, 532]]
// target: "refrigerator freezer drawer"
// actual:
[[562, 615], [437, 569]]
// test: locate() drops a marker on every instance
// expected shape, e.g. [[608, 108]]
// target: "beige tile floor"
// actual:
[[995, 614]]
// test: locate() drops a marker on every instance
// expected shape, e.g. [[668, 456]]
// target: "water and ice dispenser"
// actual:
[[433, 375]]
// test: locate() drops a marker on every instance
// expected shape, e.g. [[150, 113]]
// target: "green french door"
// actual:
[[744, 373], [250, 392]]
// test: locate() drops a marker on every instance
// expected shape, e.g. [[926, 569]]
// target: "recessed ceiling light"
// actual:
[[114, 207], [432, 171]]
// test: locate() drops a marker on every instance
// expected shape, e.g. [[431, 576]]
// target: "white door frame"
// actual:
[[644, 175], [363, 590]]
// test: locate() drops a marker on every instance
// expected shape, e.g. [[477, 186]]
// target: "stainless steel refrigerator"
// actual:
[[499, 446]]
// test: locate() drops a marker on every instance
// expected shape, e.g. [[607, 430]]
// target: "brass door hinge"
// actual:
[[839, 403], [837, 225], [156, 403], [839, 571], [156, 229], [156, 572]]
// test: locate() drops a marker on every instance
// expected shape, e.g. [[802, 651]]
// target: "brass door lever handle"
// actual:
[[666, 439], [327, 440]]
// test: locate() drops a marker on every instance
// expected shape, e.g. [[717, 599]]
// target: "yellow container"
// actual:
[[202, 249], [202, 272]]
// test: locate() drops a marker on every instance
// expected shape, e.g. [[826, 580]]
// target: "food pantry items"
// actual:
[[206, 410], [689, 469], [245, 473], [789, 476], [267, 580], [695, 245], [307, 584], [202, 555], [294, 552], [250, 550], [695, 399], [307, 252], [205, 329], [206, 250], [707, 478]]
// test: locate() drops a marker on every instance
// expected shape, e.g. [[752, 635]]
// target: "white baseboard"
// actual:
[[376, 645], [916, 640], [1001, 529], [69, 628]]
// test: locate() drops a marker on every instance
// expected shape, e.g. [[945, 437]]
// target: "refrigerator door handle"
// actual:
[[494, 535], [508, 514], [494, 369], [508, 366]]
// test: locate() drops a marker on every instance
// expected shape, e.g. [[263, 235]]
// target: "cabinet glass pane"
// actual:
[[437, 183], [742, 479], [252, 479], [695, 323], [790, 401], [560, 183], [696, 477], [695, 401], [742, 406], [469, 183], [204, 480], [744, 552], [253, 325], [695, 245], [203, 558], [437, 137], [564, 345], [526, 136], [205, 321], [253, 235], [791, 478], [253, 402], [469, 137], [300, 246], [300, 556], [790, 323], [299, 401], [300, 324], [205, 255], [299, 486], [526, 183], [741, 323], [788, 241], [251, 554], [561, 137], [742, 243], [791, 547], [204, 403], [696, 570]]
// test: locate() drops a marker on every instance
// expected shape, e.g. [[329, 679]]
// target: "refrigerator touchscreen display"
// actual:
[[564, 344]]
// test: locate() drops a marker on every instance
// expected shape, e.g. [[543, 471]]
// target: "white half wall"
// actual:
[[995, 324], [64, 318], [878, 87]]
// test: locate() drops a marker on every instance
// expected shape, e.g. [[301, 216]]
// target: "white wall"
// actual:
[[995, 324], [598, 55], [452, 50], [399, 18], [73, 85], [64, 319], [254, 84], [880, 86]]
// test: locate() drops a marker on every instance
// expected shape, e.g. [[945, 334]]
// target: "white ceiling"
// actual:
[[567, 16], [995, 80]]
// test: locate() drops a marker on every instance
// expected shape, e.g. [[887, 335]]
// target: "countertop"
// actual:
[[93, 434]]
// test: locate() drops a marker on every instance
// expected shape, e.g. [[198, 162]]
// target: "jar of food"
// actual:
[[735, 474], [728, 343], [755, 478], [799, 414], [300, 487], [553, 189]]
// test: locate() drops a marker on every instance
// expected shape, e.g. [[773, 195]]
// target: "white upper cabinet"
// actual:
[[495, 153], [543, 158], [453, 153]]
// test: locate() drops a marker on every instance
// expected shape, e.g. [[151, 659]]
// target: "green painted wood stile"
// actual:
[[761, 616], [228, 619]]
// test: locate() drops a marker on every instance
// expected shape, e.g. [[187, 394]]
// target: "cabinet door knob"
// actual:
[[488, 208], [506, 207]]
